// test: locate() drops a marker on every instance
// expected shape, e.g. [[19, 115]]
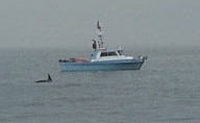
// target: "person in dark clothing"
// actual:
[[94, 45]]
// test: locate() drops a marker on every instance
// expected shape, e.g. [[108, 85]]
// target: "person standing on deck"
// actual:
[[94, 44]]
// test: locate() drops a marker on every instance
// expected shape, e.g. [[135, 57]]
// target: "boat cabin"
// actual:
[[102, 54], [105, 55]]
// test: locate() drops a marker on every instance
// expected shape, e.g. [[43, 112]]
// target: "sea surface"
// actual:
[[165, 90]]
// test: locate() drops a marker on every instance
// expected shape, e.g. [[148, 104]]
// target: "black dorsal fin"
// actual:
[[49, 78]]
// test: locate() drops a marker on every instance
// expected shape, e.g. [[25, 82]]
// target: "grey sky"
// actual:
[[72, 23]]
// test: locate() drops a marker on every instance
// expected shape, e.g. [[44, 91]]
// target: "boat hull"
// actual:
[[134, 64]]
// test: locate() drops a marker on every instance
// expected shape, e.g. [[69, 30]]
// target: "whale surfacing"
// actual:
[[45, 81]]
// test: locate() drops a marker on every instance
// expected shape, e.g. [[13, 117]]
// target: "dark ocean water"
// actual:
[[166, 89]]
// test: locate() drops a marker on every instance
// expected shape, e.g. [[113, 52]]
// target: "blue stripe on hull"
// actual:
[[98, 66]]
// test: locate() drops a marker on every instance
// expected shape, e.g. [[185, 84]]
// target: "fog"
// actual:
[[72, 23]]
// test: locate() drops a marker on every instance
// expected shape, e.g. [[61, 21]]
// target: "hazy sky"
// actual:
[[72, 23]]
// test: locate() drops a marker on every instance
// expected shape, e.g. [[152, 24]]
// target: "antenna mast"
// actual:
[[100, 34]]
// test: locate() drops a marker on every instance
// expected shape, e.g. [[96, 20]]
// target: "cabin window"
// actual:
[[103, 54], [112, 54], [120, 52]]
